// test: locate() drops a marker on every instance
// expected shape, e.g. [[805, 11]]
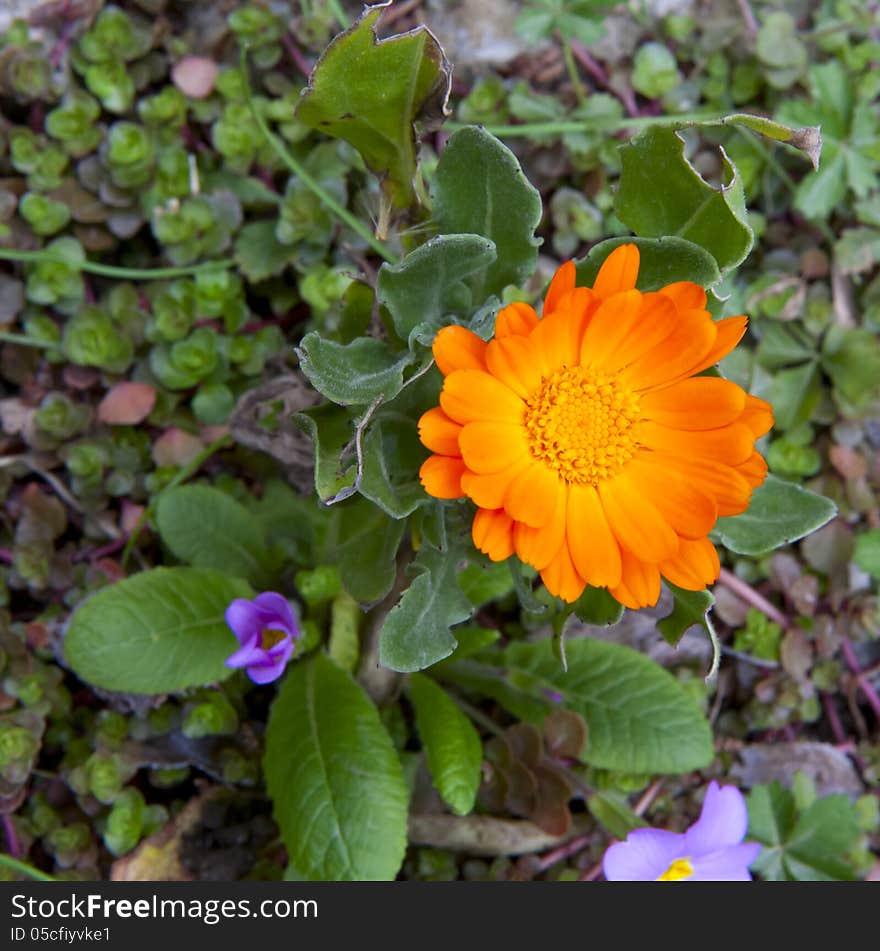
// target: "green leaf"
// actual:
[[367, 550], [660, 193], [485, 582], [479, 188], [370, 93], [689, 608], [416, 632], [429, 283], [662, 261], [867, 553], [452, 745], [259, 254], [392, 457], [334, 778], [612, 812], [331, 429], [639, 718], [597, 606], [206, 528], [810, 847], [806, 139], [780, 512], [157, 632], [794, 394], [352, 374]]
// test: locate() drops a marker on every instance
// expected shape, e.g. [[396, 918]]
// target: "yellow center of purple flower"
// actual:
[[581, 423], [680, 869], [270, 637]]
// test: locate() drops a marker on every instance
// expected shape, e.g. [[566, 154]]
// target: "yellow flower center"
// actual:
[[269, 638], [580, 423], [680, 868]]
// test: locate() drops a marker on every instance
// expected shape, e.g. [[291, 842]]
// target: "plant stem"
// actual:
[[574, 125], [757, 600], [109, 270], [23, 341], [339, 13], [24, 869], [864, 684], [311, 183], [571, 66]]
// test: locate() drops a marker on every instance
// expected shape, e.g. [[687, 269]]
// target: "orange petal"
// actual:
[[612, 325], [492, 532], [489, 490], [469, 395], [531, 497], [702, 402], [685, 295], [512, 360], [675, 357], [754, 469], [457, 348], [441, 476], [730, 444], [694, 567], [558, 336], [618, 272], [560, 577], [539, 546], [593, 547], [439, 433], [492, 447], [757, 415], [639, 585], [636, 523], [562, 283], [517, 319], [688, 510], [723, 483], [730, 332]]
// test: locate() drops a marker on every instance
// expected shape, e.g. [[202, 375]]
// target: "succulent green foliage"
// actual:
[[334, 777], [208, 529], [452, 745], [157, 632], [661, 194], [780, 512], [655, 70], [479, 188], [371, 92]]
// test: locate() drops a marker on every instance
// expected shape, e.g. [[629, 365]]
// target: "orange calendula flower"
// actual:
[[590, 445]]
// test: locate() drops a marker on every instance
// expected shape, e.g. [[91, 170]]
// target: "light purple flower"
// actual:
[[266, 630], [712, 850]]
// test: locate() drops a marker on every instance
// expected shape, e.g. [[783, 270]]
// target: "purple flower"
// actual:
[[266, 629], [712, 850]]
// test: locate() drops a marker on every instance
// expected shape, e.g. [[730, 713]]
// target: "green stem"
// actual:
[[183, 474], [24, 869], [23, 341], [109, 270], [313, 184], [572, 125], [571, 66], [337, 11]]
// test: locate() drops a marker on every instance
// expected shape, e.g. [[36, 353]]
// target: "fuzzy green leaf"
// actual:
[[479, 188], [371, 92], [392, 457], [334, 777], [662, 261], [207, 528], [367, 550], [780, 512], [331, 429], [452, 745], [660, 193], [157, 632]]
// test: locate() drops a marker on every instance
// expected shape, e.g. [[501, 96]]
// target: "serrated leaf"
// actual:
[[352, 374], [157, 632], [367, 550], [331, 429], [780, 512], [429, 283], [639, 718], [660, 193], [689, 608], [416, 632], [482, 583], [371, 92], [662, 261], [392, 457], [452, 745], [479, 188], [334, 777], [206, 528], [259, 254], [597, 606]]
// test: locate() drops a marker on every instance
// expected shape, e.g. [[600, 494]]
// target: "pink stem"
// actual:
[[833, 718], [563, 852], [751, 596], [11, 838], [6, 556], [864, 684], [295, 53]]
